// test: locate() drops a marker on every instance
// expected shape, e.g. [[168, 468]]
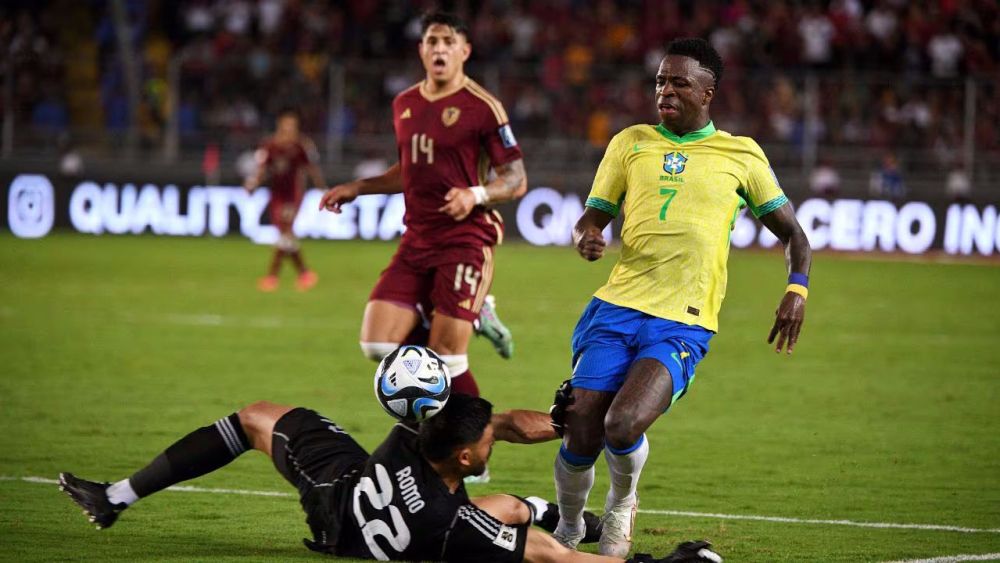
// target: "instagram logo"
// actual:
[[31, 206]]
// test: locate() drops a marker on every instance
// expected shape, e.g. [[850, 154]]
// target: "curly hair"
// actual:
[[701, 51]]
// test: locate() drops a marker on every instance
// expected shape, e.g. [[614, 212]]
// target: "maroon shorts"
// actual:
[[283, 210], [453, 281]]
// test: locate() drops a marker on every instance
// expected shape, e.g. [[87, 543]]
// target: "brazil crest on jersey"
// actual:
[[680, 197]]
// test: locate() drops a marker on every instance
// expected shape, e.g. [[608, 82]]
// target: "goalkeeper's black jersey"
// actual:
[[400, 509]]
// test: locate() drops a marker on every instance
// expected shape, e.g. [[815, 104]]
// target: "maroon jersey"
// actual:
[[445, 142], [285, 164]]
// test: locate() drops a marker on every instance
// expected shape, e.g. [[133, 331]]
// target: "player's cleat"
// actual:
[[616, 534], [267, 284], [688, 552], [92, 498], [490, 326], [550, 520], [306, 280], [478, 479]]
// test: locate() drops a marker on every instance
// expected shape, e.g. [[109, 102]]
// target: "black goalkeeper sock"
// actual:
[[200, 452]]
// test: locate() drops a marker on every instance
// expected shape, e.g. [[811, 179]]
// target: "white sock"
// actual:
[[573, 486], [539, 507], [121, 492], [625, 470]]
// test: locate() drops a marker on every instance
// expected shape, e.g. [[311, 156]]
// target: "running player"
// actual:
[[405, 501], [449, 131], [284, 160], [680, 185]]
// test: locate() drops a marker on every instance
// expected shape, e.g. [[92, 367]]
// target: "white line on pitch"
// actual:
[[954, 558], [935, 527], [175, 488], [718, 516]]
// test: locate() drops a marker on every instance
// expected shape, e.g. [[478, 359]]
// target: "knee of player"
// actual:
[[287, 242], [621, 430], [377, 350], [255, 415], [582, 443], [521, 514]]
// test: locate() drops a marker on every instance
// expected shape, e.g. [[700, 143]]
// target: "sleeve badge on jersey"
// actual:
[[507, 136], [506, 538], [450, 115]]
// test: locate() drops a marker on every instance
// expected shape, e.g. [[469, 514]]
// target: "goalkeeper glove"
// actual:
[[688, 552], [562, 401]]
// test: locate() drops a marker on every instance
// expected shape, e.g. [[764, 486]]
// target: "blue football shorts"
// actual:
[[608, 339]]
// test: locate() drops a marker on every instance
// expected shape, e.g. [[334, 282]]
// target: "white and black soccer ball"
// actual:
[[412, 383]]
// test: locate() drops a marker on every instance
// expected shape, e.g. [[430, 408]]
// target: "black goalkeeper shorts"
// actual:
[[322, 461]]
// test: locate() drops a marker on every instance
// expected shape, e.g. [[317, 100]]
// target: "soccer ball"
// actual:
[[412, 383]]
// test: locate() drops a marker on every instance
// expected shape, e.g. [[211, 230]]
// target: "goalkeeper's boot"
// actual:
[[687, 552], [489, 325], [548, 520], [92, 498], [616, 532]]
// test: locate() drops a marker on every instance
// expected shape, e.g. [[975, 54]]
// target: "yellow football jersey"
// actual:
[[680, 197]]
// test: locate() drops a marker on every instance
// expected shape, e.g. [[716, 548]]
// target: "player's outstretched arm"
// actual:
[[254, 180], [523, 427], [791, 311], [543, 548], [391, 182], [587, 233], [511, 183]]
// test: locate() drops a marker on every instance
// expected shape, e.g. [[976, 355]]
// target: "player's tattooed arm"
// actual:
[[523, 427], [391, 182], [791, 311], [510, 183], [588, 234]]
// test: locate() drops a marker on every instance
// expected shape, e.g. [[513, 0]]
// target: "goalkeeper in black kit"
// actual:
[[404, 501]]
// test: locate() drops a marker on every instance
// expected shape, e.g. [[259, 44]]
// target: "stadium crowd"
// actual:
[[888, 72]]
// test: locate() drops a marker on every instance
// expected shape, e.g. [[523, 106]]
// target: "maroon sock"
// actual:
[[464, 383], [300, 265], [275, 267]]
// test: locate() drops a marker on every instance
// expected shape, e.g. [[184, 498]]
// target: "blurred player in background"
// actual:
[[404, 501], [449, 131], [635, 348], [283, 161]]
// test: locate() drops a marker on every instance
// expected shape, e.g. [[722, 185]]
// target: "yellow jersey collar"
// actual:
[[687, 138]]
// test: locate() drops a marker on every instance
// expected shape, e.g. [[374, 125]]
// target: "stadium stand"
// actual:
[[847, 83]]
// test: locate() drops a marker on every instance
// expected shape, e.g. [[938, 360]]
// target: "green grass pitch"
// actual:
[[888, 412]]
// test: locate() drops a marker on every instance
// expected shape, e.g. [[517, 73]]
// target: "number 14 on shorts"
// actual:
[[465, 273]]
